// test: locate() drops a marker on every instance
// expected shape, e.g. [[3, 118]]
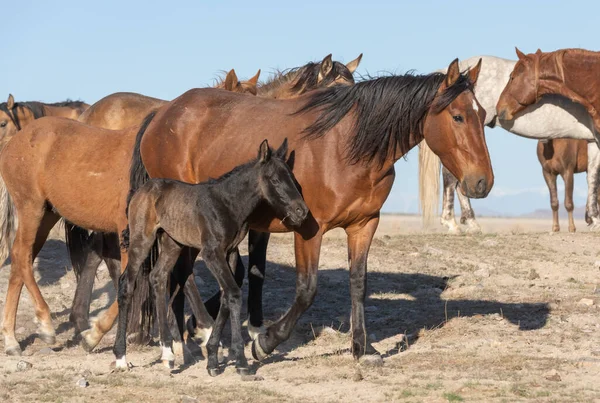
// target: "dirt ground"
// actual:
[[509, 315]]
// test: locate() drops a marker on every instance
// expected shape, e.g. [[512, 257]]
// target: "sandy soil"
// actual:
[[506, 316]]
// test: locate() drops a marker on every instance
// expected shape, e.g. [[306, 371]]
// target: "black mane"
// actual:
[[388, 110], [234, 171]]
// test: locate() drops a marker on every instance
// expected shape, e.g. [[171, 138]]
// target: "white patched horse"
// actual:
[[551, 118]]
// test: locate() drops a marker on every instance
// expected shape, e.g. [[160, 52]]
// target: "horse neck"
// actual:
[[231, 188], [567, 73], [61, 111], [494, 75], [279, 87]]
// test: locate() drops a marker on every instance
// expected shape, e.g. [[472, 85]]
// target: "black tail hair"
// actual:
[[77, 241], [141, 311]]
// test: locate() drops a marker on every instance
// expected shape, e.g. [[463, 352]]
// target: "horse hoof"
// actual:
[[254, 331], [87, 341], [257, 352], [242, 371], [120, 365], [14, 351], [371, 360], [213, 372], [169, 364], [48, 338]]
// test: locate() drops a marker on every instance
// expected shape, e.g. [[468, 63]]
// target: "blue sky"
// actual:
[[86, 50]]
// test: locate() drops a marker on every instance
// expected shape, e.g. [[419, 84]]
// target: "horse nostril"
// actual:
[[298, 211], [481, 186], [502, 114]]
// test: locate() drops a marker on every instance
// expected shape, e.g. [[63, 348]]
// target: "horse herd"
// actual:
[[132, 178]]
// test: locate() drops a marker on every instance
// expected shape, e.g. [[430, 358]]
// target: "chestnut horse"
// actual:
[[564, 157], [122, 110], [344, 141]]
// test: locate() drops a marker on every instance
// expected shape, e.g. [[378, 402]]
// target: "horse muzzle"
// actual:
[[476, 186], [296, 214]]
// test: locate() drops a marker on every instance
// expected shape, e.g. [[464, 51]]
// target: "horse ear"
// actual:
[[10, 104], [264, 152], [231, 80], [254, 80], [326, 66], [520, 54], [474, 72], [354, 64], [538, 52], [453, 73], [282, 150]]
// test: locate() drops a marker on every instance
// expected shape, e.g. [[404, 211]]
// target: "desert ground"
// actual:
[[507, 315]]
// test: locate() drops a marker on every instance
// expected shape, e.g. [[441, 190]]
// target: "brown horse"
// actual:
[[564, 157], [567, 72], [125, 109], [344, 142], [119, 111], [16, 115]]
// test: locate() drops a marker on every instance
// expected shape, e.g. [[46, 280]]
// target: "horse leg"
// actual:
[[139, 248], [105, 321], [257, 264], [307, 262], [359, 242], [447, 219], [568, 179], [467, 215], [80, 310], [34, 226], [213, 304], [231, 304], [550, 179], [592, 217], [169, 253]]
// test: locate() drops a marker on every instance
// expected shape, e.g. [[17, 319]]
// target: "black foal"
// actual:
[[212, 217]]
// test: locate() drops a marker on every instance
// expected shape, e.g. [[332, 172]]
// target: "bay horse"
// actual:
[[552, 117], [564, 157], [344, 141], [121, 110], [208, 217]]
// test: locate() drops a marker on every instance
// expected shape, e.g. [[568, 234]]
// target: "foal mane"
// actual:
[[388, 110], [306, 77]]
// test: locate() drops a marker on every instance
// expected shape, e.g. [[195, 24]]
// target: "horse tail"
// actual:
[[429, 183], [77, 240], [141, 313], [8, 222]]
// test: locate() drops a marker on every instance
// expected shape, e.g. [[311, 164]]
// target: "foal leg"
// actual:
[[231, 302], [447, 219], [307, 262], [139, 248], [169, 253], [550, 179], [34, 225], [568, 179], [257, 263], [359, 242]]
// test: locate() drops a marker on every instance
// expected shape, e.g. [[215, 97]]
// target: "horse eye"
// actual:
[[458, 118], [3, 124]]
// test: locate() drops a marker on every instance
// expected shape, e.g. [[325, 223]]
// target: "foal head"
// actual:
[[277, 184], [453, 130], [231, 83]]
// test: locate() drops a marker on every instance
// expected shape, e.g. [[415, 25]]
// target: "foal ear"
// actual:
[[254, 80], [282, 150], [538, 52], [520, 54], [326, 66], [231, 80], [474, 72], [10, 104], [352, 66], [453, 73], [264, 152]]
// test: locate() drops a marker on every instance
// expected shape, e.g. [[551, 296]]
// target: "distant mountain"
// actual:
[[578, 213]]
